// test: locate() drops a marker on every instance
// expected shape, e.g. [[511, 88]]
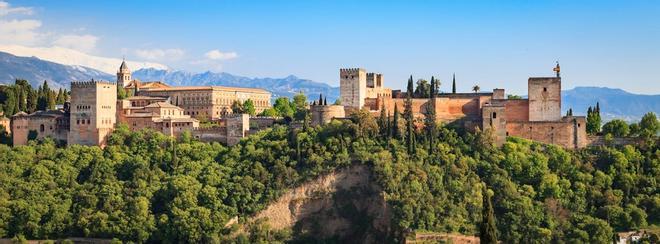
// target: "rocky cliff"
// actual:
[[343, 205]]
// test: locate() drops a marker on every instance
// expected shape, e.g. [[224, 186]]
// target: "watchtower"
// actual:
[[353, 87], [93, 112]]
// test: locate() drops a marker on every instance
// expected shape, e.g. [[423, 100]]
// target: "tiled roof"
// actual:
[[161, 105]]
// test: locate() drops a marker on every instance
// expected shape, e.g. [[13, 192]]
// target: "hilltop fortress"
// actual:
[[536, 118], [94, 110]]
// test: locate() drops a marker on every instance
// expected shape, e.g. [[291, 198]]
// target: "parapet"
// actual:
[[91, 83], [351, 70]]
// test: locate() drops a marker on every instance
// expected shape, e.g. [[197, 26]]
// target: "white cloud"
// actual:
[[19, 31], [218, 55], [160, 54], [22, 36], [6, 9], [83, 43], [74, 57]]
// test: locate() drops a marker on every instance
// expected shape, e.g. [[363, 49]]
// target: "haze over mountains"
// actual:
[[614, 103]]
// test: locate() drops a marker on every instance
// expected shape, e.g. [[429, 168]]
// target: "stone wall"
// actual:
[[569, 132], [53, 124], [322, 114], [517, 109]]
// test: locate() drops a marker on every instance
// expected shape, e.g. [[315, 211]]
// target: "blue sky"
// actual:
[[489, 43]]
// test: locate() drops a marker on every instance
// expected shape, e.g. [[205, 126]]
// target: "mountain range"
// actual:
[[614, 103]]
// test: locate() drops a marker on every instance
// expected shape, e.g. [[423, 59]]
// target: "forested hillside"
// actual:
[[145, 186]]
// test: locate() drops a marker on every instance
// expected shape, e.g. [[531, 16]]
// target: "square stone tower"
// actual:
[[353, 87], [93, 112], [544, 98]]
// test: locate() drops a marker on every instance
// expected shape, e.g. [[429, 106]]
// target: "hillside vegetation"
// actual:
[[145, 186]]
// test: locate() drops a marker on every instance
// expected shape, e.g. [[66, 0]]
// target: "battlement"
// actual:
[[351, 70], [91, 83]]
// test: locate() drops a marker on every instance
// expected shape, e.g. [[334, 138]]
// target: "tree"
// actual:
[[453, 83], [337, 102], [430, 117], [616, 127], [248, 107], [593, 119], [423, 88], [396, 134], [60, 96], [512, 96], [283, 107], [476, 88], [121, 93], [269, 112], [569, 112], [382, 122], [300, 106], [649, 125], [237, 107], [408, 116], [488, 230]]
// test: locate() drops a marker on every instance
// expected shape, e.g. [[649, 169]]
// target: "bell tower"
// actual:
[[123, 75]]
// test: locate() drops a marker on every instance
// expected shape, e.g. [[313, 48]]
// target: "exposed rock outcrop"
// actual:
[[343, 205]]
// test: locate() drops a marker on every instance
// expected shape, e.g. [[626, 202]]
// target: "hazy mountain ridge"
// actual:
[[614, 103], [36, 71]]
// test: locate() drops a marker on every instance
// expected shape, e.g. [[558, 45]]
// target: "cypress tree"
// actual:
[[389, 126], [453, 84], [430, 120], [32, 101], [382, 121], [22, 100], [395, 123], [408, 115], [487, 230]]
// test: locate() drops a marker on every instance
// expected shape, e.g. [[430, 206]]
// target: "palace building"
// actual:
[[210, 102], [94, 111]]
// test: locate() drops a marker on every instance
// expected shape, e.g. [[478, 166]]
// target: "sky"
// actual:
[[493, 44]]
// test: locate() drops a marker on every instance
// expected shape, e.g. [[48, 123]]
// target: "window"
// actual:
[[494, 115], [41, 128], [545, 89]]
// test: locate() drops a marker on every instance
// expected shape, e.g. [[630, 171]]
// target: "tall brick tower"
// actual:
[[545, 97], [353, 87], [93, 112], [123, 75]]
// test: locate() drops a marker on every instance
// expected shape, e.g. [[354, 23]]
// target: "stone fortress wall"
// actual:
[[537, 118]]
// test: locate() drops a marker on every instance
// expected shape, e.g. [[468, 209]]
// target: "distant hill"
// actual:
[[280, 87], [614, 103], [36, 71]]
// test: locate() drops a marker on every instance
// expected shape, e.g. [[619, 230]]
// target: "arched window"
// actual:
[[41, 128]]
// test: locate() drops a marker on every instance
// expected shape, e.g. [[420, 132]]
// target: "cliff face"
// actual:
[[342, 205]]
